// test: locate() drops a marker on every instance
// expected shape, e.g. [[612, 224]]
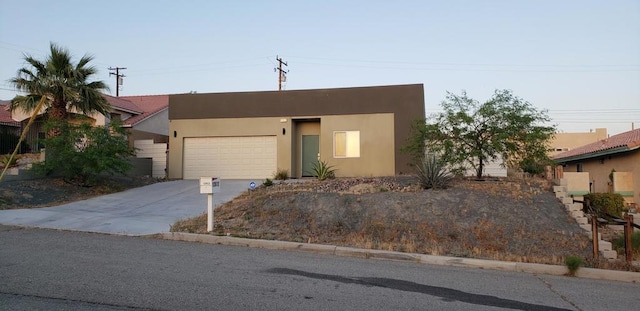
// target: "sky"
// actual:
[[578, 60]]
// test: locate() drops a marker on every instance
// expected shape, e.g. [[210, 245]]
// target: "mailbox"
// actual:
[[209, 185]]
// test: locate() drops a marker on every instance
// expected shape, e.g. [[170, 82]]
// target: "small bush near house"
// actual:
[[81, 152], [432, 173], [281, 174], [322, 170], [267, 182], [612, 203]]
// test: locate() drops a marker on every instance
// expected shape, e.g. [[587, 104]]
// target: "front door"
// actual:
[[310, 154]]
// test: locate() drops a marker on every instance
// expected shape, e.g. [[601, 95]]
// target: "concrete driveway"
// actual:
[[140, 211]]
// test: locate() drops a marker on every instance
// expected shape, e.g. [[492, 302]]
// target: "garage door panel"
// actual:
[[252, 157]]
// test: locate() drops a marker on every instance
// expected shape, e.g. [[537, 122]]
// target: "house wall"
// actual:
[[138, 135], [377, 156], [405, 102], [157, 123], [600, 168], [562, 142]]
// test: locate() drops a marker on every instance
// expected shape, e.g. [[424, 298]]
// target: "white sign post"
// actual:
[[209, 186]]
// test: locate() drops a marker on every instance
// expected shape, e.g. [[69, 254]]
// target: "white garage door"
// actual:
[[252, 157]]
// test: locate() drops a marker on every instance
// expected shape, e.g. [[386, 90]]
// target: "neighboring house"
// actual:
[[7, 124], [562, 142], [9, 129], [146, 116], [250, 135], [153, 120], [620, 153]]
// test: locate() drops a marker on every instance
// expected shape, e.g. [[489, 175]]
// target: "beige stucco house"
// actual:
[[250, 135], [619, 154], [562, 142]]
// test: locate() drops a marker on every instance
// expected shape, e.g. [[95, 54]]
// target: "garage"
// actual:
[[247, 157]]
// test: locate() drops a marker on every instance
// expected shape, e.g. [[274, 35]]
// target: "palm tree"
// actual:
[[63, 86]]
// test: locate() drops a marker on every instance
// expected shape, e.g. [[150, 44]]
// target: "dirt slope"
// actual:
[[500, 219]]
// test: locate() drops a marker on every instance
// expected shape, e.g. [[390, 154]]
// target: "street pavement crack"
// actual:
[[124, 307], [553, 290]]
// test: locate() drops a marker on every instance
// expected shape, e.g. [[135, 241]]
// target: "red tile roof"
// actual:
[[149, 105], [123, 104], [5, 115], [142, 107], [630, 140]]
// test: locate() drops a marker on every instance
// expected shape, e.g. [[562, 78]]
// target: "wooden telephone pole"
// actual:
[[282, 74], [119, 77]]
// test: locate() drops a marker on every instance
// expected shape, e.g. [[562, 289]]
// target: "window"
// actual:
[[579, 167], [346, 144]]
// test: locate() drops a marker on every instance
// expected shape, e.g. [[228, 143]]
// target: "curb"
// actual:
[[532, 268]]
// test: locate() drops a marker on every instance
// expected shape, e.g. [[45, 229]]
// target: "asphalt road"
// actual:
[[44, 269]]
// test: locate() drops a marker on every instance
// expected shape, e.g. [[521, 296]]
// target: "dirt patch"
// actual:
[[515, 220], [55, 191]]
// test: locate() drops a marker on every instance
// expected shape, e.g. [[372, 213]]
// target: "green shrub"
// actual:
[[618, 243], [432, 173], [612, 203], [81, 152], [573, 263], [532, 166], [267, 182], [322, 170], [281, 174]]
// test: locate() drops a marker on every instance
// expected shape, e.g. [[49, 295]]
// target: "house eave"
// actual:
[[597, 154]]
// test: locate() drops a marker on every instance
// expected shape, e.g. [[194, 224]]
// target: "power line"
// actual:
[[462, 64]]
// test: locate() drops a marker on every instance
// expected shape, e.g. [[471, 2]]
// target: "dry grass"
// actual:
[[470, 220]]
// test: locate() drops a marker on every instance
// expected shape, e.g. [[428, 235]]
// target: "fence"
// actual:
[[10, 134]]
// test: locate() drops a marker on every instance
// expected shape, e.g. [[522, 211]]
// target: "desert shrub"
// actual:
[[81, 152], [322, 170], [618, 243], [612, 203], [6, 160], [433, 173], [281, 174], [532, 166], [573, 263], [267, 182]]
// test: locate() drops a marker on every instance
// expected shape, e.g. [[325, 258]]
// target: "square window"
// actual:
[[346, 144]]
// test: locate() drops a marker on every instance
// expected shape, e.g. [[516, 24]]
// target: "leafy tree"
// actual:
[[64, 85], [468, 133], [83, 152]]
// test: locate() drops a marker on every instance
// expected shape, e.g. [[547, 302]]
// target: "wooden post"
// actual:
[[628, 230], [594, 231]]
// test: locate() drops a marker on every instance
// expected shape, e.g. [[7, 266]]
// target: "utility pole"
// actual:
[[118, 77], [282, 74]]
